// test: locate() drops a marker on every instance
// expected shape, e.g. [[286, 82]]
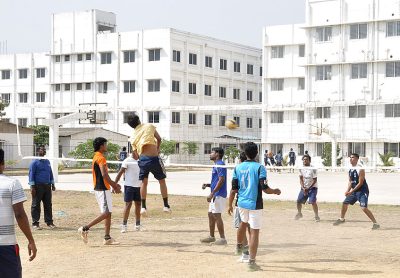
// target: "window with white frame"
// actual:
[[357, 111], [207, 148], [6, 98], [207, 119], [250, 69], [154, 54], [23, 73], [391, 148], [153, 117], [40, 73], [323, 34], [324, 72], [207, 90], [23, 97], [41, 97], [129, 56], [300, 149], [358, 31], [222, 120], [88, 56], [320, 148], [192, 88], [5, 74], [277, 51], [359, 71], [275, 148], [237, 120], [175, 86], [393, 69], [300, 117], [23, 122], [192, 59], [103, 87], [176, 56], [236, 66], [176, 117], [223, 64], [277, 117], [67, 87], [79, 86], [153, 85], [208, 62], [392, 110], [301, 83], [192, 118], [222, 92], [357, 147], [129, 86], [260, 96], [88, 86], [323, 113], [249, 95], [277, 84], [105, 58], [236, 94], [393, 29], [259, 123], [67, 58], [302, 50], [79, 57], [249, 122]]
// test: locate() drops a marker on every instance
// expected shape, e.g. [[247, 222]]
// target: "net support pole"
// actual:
[[53, 148]]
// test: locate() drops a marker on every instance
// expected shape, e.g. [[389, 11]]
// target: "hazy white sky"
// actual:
[[25, 24]]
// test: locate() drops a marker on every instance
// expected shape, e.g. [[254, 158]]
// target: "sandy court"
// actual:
[[170, 246]]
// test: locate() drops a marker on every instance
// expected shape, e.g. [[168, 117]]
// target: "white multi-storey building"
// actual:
[[341, 70], [157, 73]]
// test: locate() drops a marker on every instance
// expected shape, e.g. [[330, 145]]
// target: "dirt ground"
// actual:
[[170, 246]]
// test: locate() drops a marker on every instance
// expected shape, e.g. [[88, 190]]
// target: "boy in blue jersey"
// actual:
[[357, 190], [217, 198], [249, 181]]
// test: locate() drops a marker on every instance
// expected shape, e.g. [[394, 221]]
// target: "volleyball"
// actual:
[[231, 124]]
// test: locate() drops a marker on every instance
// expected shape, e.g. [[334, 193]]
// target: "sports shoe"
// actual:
[[51, 226], [124, 228], [139, 228], [298, 216], [110, 241], [221, 241], [376, 226], [238, 250], [83, 234], [245, 258], [252, 266], [143, 212], [207, 239], [338, 222], [167, 210], [36, 227], [317, 219]]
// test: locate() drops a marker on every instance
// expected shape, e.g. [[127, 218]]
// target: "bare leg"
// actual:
[[241, 233], [253, 243], [127, 210], [315, 209], [107, 224], [211, 222], [98, 219], [220, 224], [299, 205], [369, 214], [163, 188], [137, 211], [143, 188], [344, 210]]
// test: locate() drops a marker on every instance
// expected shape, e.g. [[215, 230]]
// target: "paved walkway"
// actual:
[[384, 187]]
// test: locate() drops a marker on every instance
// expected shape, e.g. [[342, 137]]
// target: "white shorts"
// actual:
[[217, 205], [236, 218], [253, 217], [104, 200]]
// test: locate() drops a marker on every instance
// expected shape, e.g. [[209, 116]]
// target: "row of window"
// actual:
[[154, 117], [23, 73], [278, 51], [23, 97], [208, 62], [355, 111], [357, 31]]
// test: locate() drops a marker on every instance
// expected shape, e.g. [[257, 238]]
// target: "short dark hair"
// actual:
[[98, 142], [355, 154], [306, 155], [124, 148], [251, 150], [220, 151], [242, 157], [1, 157], [133, 120]]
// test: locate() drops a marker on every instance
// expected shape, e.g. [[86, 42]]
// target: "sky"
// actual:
[[25, 24]]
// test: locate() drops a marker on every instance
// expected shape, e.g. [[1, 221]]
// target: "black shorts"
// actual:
[[131, 194], [151, 164], [292, 162], [10, 262]]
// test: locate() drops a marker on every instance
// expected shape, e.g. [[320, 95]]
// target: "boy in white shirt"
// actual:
[[131, 189]]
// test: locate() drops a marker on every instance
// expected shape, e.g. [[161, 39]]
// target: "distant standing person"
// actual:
[[146, 144], [217, 198], [123, 154], [131, 170], [41, 182], [102, 184], [292, 157], [309, 188], [279, 158], [266, 159], [12, 198], [357, 190]]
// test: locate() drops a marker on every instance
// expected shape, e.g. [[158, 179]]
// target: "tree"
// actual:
[[167, 148], [387, 159], [231, 153], [41, 135], [3, 105], [85, 151], [190, 147], [327, 155]]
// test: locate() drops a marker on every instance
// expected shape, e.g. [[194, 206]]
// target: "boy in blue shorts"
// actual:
[[249, 181], [357, 190], [309, 188]]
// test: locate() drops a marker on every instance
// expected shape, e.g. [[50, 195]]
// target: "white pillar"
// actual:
[[334, 150], [53, 149]]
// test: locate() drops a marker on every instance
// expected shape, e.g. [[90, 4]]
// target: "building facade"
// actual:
[[334, 79], [164, 75]]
